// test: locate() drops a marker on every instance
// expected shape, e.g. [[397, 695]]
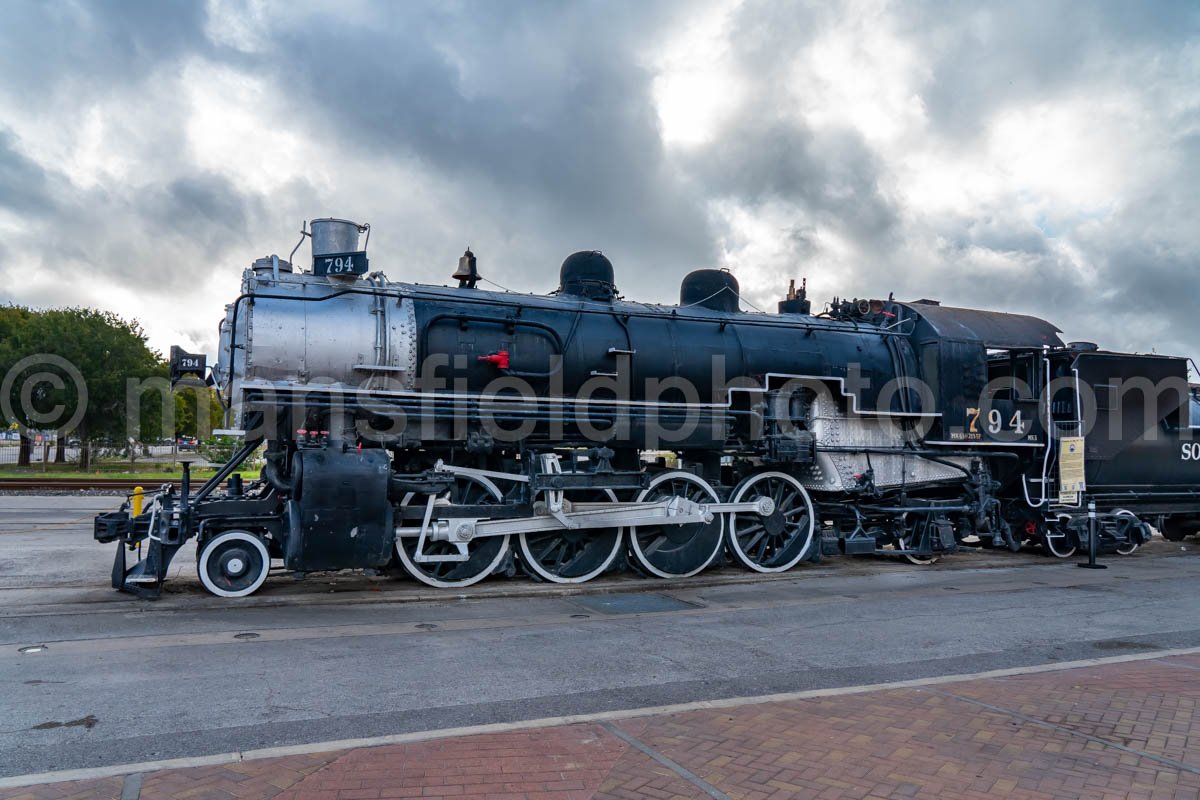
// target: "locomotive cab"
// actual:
[[986, 370]]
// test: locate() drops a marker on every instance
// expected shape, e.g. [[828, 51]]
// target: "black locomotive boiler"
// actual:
[[456, 432]]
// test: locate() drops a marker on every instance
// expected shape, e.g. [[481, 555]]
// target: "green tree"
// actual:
[[14, 324], [77, 381], [190, 401]]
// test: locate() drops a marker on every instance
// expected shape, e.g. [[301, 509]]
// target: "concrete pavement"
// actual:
[[125, 681], [1121, 729]]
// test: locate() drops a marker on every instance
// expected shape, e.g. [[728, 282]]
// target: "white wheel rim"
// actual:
[[636, 547], [528, 560], [1048, 540], [920, 561], [1062, 519], [1129, 549], [228, 536], [736, 547], [416, 572]]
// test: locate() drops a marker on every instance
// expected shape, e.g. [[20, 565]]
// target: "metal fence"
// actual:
[[46, 452]]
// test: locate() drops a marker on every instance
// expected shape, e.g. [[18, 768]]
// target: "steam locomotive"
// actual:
[[457, 432]]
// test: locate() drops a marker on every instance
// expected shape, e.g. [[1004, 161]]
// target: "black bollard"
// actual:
[[1093, 531]]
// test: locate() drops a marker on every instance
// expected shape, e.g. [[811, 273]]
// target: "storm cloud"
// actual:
[[1031, 157]]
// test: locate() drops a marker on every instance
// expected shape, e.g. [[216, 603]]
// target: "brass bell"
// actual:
[[467, 273]]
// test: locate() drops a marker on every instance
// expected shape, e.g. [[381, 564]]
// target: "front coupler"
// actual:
[[157, 529], [161, 529], [168, 522]]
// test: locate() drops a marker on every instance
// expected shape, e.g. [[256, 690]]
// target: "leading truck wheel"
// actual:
[[234, 564]]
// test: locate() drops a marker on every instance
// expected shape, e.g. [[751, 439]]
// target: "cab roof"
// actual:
[[994, 329]]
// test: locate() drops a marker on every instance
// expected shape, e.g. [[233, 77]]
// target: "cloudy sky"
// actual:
[[1037, 157]]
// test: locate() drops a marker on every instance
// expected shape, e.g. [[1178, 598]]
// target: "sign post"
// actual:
[[1072, 480], [1093, 535]]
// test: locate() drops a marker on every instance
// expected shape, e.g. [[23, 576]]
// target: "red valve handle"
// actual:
[[500, 359]]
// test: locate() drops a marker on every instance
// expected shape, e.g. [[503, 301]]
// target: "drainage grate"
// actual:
[[634, 603]]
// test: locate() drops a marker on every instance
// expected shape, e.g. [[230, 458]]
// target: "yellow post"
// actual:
[[139, 495]]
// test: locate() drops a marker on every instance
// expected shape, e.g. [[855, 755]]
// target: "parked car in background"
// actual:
[[187, 444]]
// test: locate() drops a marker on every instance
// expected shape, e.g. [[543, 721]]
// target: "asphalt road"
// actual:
[[124, 680]]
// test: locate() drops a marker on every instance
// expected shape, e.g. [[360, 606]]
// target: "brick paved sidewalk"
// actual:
[[1127, 730]]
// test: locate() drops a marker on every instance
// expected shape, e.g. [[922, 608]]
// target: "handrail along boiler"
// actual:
[[457, 432]]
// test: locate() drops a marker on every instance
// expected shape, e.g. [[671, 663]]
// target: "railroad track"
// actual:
[[50, 483]]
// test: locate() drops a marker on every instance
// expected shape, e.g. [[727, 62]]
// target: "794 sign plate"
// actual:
[[338, 264]]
